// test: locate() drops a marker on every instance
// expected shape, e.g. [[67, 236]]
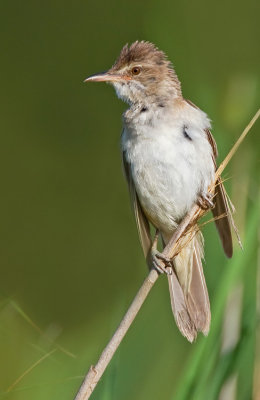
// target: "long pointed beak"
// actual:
[[106, 77]]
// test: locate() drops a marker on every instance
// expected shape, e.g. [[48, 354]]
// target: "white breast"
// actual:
[[169, 169]]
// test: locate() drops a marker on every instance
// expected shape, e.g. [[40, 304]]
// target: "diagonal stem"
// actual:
[[95, 372]]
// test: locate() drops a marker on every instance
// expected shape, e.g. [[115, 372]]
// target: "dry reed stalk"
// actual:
[[186, 228]]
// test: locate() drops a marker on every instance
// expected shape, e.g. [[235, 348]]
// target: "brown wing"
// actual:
[[221, 211], [223, 223], [142, 223]]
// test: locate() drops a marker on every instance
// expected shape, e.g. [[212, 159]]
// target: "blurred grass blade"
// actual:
[[11, 387], [208, 369], [39, 330]]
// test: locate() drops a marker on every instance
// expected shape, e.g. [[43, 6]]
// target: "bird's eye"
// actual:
[[136, 70]]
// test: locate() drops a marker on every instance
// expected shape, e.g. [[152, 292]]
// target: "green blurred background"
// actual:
[[70, 257]]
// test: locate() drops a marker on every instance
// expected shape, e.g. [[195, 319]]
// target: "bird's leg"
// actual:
[[159, 260], [205, 201]]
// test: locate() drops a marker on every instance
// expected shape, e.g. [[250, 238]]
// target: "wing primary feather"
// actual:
[[221, 208], [142, 223], [223, 224]]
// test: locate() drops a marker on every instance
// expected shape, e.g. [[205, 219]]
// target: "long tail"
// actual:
[[188, 290]]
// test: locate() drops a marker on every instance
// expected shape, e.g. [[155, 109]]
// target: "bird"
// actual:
[[169, 158]]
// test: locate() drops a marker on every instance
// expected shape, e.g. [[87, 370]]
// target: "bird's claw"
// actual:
[[161, 263], [205, 201]]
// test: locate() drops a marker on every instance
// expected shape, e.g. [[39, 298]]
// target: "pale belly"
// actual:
[[169, 173]]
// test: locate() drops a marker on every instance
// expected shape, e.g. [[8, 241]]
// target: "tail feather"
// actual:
[[188, 290], [197, 296], [179, 309]]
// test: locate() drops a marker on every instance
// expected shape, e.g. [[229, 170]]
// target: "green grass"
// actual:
[[47, 370], [209, 368], [70, 258]]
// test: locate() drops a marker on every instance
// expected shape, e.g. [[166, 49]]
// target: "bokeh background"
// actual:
[[70, 258]]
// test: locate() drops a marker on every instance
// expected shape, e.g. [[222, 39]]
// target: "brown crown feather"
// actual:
[[140, 52]]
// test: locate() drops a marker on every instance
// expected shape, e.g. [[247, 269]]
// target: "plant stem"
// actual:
[[95, 372]]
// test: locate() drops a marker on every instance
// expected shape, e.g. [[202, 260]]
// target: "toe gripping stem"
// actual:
[[160, 262], [205, 201]]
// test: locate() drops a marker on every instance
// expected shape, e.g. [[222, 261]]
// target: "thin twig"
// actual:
[[237, 144], [95, 372]]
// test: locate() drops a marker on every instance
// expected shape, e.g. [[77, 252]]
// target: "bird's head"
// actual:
[[141, 73]]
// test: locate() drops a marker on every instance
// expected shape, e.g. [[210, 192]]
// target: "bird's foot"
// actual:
[[205, 201], [161, 263]]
